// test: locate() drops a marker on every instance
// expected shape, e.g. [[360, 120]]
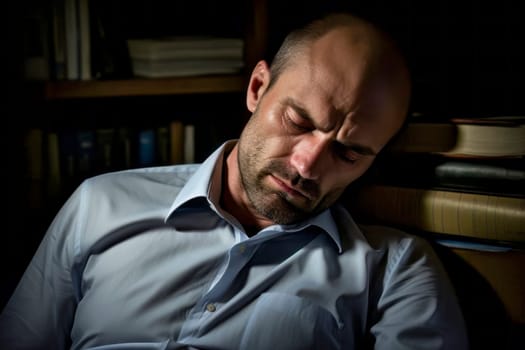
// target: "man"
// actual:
[[250, 249]]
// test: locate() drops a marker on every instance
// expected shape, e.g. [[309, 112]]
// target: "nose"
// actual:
[[310, 156]]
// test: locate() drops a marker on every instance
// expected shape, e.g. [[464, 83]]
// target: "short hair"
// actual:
[[299, 39]]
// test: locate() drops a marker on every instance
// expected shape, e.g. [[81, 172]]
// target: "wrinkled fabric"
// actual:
[[147, 259]]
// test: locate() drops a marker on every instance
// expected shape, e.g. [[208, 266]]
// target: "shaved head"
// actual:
[[335, 94]]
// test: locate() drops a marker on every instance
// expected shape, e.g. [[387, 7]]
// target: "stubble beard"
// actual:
[[273, 205]]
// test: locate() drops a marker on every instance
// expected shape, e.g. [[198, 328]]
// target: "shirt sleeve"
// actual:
[[417, 307], [40, 312]]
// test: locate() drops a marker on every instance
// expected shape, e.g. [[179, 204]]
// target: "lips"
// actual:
[[283, 186]]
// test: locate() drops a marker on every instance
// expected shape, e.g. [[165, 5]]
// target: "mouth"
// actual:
[[290, 190]]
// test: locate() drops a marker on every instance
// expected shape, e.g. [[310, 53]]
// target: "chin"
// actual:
[[281, 211]]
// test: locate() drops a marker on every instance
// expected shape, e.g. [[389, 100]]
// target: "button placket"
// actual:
[[239, 255]]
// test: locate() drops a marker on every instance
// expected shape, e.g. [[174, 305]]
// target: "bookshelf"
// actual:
[[58, 90], [213, 103], [139, 19], [58, 101]]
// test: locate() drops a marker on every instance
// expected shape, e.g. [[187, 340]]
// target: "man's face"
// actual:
[[317, 129]]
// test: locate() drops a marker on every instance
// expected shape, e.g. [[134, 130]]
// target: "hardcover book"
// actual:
[[472, 215], [499, 176], [463, 137]]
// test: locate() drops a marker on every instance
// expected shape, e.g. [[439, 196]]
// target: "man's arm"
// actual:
[[417, 308], [40, 312]]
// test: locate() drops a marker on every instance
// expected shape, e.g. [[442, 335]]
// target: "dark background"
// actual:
[[466, 57]]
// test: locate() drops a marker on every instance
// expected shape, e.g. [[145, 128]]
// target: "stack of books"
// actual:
[[185, 56], [459, 178], [461, 184]]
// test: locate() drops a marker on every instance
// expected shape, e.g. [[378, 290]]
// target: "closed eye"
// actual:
[[297, 122], [345, 153], [353, 152]]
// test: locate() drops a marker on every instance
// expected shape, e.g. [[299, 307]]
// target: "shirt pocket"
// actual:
[[287, 321]]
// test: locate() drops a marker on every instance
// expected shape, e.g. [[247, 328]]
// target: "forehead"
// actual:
[[336, 82], [327, 77], [341, 64]]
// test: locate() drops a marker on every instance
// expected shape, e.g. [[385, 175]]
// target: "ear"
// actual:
[[259, 81]]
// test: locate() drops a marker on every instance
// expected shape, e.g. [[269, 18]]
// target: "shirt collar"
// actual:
[[206, 183], [206, 180], [324, 220]]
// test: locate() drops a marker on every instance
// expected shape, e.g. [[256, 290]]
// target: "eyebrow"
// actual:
[[303, 113]]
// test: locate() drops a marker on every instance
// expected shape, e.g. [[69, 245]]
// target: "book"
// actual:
[[146, 147], [53, 166], [176, 142], [471, 215], [59, 40], [463, 137], [185, 47], [84, 31], [167, 68], [163, 145], [185, 56], [123, 148], [109, 52], [189, 143], [85, 156], [499, 176], [36, 46], [72, 45], [67, 145], [34, 166], [104, 149]]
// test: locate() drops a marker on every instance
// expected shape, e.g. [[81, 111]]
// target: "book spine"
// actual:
[[85, 153], [72, 42], [461, 139], [104, 150], [36, 45], [453, 213], [163, 145], [176, 142], [85, 40], [146, 147], [34, 166], [53, 166], [498, 177], [189, 143], [59, 40], [68, 159]]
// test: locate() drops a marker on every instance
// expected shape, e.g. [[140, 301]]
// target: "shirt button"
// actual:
[[242, 248], [211, 307]]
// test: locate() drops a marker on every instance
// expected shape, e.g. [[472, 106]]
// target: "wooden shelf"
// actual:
[[143, 87]]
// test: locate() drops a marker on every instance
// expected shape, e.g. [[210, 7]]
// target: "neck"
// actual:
[[234, 198]]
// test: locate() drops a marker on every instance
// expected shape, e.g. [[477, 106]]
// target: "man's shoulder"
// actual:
[[142, 178], [376, 235], [153, 187], [400, 248], [382, 236]]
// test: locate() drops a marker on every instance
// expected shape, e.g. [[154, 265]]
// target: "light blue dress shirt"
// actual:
[[147, 259]]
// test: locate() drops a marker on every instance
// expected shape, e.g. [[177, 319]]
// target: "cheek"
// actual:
[[268, 131], [276, 147]]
